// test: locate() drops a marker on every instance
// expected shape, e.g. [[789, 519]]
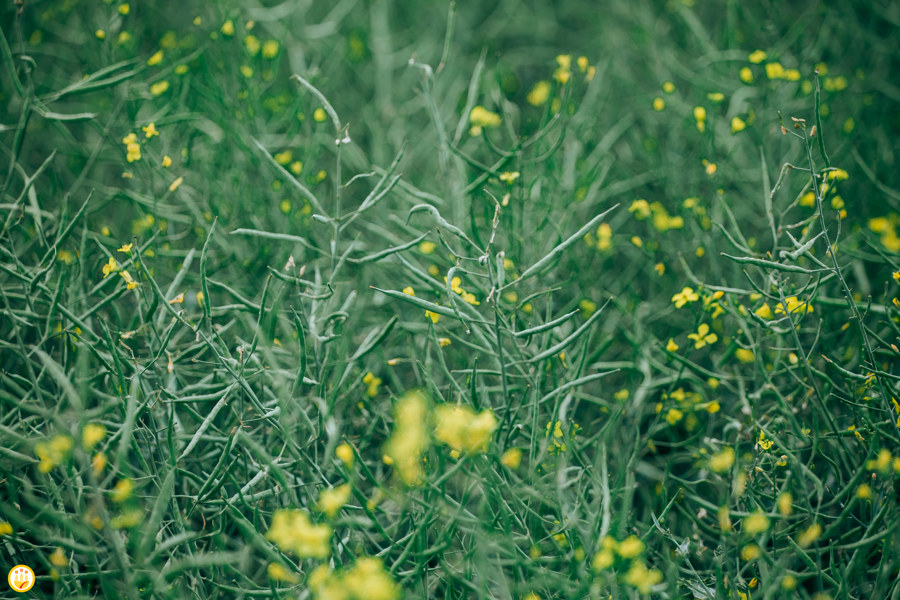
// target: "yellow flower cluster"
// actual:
[[480, 117], [884, 463], [662, 221], [687, 405], [132, 148], [723, 460], [456, 288], [372, 384], [409, 441], [333, 499], [602, 241], [53, 452], [558, 436], [91, 435], [292, 531], [367, 579], [791, 305], [886, 228], [112, 266], [627, 552], [463, 429]]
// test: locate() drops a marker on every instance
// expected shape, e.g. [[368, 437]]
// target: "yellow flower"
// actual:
[[98, 463], [700, 117], [279, 572], [124, 9], [110, 267], [58, 558], [409, 291], [539, 94], [435, 317], [757, 56], [674, 416], [793, 305], [228, 28], [763, 312], [409, 440], [746, 75], [345, 453], [481, 117], [166, 161], [150, 130], [509, 177], [642, 578], [331, 500], [631, 547], [292, 531], [319, 115], [756, 522], [5, 528], [604, 559], [774, 70], [703, 336], [462, 429], [270, 48], [126, 248], [686, 295], [723, 460], [512, 458], [737, 124], [809, 535], [91, 435], [659, 104], [744, 355], [764, 443], [252, 44], [123, 490], [640, 208], [750, 552], [372, 382], [864, 492], [671, 346], [100, 34], [785, 504], [155, 60], [175, 184], [668, 87], [246, 71], [159, 87], [368, 580]]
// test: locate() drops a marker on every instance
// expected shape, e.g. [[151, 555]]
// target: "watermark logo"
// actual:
[[21, 578]]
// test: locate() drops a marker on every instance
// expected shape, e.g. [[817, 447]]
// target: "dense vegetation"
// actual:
[[516, 300]]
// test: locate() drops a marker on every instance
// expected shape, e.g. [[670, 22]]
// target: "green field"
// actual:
[[519, 300]]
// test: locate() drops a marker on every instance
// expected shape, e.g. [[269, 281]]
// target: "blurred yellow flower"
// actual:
[[723, 460], [539, 94], [463, 429], [333, 499], [91, 435], [279, 572], [756, 522], [410, 439], [292, 531], [757, 56], [345, 453]]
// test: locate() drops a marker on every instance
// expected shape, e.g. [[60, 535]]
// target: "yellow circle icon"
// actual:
[[21, 578]]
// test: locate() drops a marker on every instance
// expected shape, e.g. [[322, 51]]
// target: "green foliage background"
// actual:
[[223, 407]]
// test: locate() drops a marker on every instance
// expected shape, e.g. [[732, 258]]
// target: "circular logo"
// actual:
[[21, 578]]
